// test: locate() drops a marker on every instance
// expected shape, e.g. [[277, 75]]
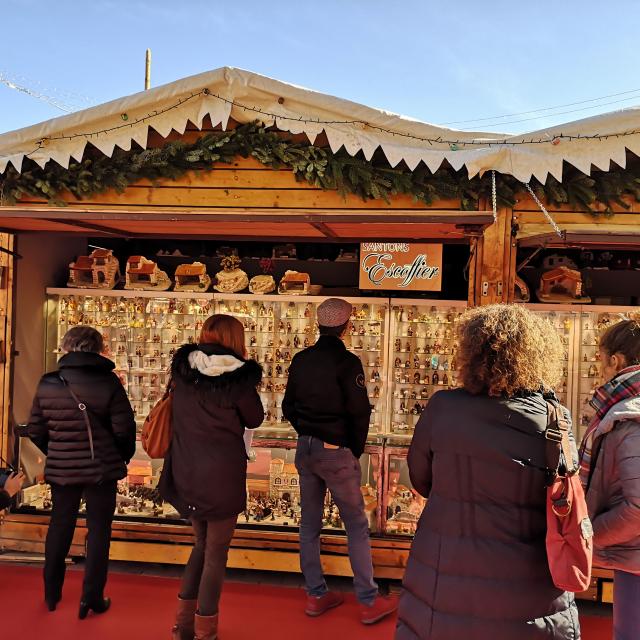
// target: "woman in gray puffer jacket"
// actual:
[[478, 566], [610, 472]]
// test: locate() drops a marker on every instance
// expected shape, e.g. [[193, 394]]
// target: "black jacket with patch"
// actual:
[[326, 395], [204, 475], [58, 428]]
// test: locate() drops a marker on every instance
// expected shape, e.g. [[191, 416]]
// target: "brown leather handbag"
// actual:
[[569, 532], [157, 427]]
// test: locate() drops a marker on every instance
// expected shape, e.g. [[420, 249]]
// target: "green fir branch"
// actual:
[[318, 166]]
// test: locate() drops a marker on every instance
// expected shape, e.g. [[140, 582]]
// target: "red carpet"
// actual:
[[143, 609]]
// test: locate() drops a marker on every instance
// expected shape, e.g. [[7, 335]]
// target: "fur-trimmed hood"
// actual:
[[623, 411], [213, 368]]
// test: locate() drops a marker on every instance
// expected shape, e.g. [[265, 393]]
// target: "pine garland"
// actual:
[[318, 166]]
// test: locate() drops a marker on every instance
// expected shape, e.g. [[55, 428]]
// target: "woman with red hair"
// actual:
[[204, 475]]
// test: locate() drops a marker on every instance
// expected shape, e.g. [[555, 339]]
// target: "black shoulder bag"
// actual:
[[83, 410]]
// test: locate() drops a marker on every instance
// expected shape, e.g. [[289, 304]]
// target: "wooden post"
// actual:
[[6, 312], [147, 70], [492, 268]]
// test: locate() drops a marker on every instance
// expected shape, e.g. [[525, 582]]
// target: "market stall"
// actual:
[[216, 181]]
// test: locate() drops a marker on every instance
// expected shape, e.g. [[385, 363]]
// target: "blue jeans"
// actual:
[[626, 606], [339, 471]]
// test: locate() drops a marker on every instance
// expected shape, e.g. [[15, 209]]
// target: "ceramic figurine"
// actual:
[[295, 283], [99, 270], [562, 284], [142, 274], [192, 277], [262, 284], [231, 279]]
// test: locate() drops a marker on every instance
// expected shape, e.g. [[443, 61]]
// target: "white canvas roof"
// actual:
[[244, 96]]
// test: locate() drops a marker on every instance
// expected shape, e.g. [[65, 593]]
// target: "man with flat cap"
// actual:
[[327, 403]]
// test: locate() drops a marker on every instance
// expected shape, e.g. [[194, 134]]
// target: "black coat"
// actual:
[[204, 476], [58, 428], [327, 397], [5, 500], [478, 565]]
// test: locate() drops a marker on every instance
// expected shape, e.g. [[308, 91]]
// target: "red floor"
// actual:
[[143, 610]]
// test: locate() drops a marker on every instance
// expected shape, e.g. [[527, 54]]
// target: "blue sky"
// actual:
[[436, 61]]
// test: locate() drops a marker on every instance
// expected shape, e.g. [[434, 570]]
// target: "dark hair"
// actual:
[[226, 331], [333, 331], [82, 339], [624, 338]]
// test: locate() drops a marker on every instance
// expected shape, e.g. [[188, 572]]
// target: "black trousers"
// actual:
[[101, 504]]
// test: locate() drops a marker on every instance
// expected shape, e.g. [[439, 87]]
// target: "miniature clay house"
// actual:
[[192, 277], [561, 285], [144, 274], [556, 261], [294, 282], [99, 270], [283, 480]]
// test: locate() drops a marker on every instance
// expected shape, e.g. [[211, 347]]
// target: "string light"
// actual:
[[453, 144]]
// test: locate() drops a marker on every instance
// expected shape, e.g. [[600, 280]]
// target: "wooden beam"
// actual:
[[92, 227], [7, 272], [624, 239], [324, 229], [569, 218], [494, 262], [222, 214]]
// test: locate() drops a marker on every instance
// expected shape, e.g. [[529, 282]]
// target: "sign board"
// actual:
[[400, 266]]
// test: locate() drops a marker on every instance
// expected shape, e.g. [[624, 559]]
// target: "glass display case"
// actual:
[[402, 505], [278, 327], [273, 488], [422, 358], [141, 332], [592, 324], [565, 322], [408, 350], [143, 329]]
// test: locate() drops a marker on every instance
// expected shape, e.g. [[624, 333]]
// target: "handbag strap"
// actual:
[[83, 410], [558, 444]]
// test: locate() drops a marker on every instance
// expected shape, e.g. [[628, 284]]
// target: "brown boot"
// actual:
[[184, 628], [206, 627]]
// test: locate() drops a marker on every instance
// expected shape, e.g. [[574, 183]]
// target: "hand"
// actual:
[[14, 483]]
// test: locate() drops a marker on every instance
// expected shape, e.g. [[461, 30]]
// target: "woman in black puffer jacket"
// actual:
[[205, 473], [87, 453]]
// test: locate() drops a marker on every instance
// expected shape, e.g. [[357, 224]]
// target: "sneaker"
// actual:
[[381, 608], [317, 605]]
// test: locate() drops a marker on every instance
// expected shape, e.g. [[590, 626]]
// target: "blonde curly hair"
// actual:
[[506, 349]]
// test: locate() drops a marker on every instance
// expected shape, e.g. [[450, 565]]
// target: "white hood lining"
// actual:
[[213, 365]]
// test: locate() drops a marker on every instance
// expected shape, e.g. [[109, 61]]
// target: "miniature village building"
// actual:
[[562, 281], [99, 270], [192, 277], [145, 274], [283, 480]]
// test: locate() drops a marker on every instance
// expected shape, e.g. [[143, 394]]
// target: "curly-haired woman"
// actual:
[[610, 472], [478, 566]]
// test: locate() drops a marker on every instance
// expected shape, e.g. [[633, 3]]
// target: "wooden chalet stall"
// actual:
[[316, 170]]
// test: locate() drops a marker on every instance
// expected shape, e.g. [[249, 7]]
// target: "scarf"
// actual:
[[624, 385]]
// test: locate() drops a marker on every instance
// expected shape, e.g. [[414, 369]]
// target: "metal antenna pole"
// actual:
[[147, 70]]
